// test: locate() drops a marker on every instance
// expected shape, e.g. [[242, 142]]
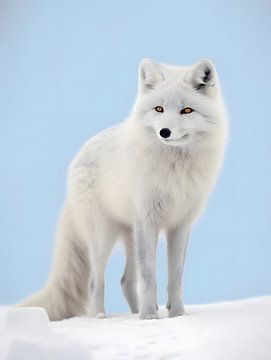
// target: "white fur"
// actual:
[[129, 183]]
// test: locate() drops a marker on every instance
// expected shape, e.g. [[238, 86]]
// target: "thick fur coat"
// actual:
[[149, 174]]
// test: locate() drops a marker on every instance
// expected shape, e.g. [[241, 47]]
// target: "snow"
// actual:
[[230, 330]]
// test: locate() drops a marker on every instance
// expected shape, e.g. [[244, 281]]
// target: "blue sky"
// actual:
[[69, 69]]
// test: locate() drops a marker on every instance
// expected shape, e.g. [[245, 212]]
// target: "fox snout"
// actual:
[[165, 133]]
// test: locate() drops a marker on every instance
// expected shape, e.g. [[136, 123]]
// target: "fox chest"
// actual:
[[165, 195], [170, 195]]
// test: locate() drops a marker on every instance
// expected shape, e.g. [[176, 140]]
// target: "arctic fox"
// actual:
[[149, 174]]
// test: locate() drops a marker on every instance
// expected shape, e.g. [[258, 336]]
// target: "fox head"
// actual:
[[178, 106]]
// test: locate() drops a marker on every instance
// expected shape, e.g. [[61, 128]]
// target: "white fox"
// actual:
[[151, 173]]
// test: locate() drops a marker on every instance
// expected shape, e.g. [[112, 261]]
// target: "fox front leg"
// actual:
[[177, 240], [145, 237]]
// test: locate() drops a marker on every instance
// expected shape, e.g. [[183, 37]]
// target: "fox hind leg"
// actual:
[[103, 237], [129, 278]]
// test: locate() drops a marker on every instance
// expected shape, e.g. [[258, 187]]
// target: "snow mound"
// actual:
[[26, 334], [232, 330]]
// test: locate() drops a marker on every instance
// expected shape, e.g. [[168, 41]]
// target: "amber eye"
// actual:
[[186, 110], [159, 109]]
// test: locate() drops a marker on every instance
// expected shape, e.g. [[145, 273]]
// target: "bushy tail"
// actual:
[[66, 293]]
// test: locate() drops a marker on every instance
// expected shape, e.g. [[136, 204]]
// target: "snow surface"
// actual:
[[231, 330]]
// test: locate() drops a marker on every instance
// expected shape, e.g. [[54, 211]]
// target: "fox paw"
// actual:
[[101, 315], [149, 316], [175, 310]]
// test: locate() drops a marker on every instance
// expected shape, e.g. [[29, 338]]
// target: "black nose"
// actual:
[[165, 133]]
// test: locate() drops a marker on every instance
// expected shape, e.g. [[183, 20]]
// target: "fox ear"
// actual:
[[150, 74], [204, 78]]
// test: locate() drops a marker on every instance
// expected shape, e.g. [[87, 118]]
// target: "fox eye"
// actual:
[[159, 109], [186, 110]]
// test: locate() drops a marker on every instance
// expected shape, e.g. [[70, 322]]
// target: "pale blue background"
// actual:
[[68, 69]]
